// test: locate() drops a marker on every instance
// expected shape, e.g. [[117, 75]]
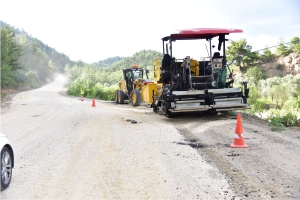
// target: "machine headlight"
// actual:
[[214, 83]]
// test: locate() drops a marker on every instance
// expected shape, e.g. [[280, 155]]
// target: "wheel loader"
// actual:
[[134, 88], [202, 83]]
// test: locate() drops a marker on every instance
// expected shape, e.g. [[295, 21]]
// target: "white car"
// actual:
[[7, 161]]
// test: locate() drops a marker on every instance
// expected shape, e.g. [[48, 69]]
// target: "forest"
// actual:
[[26, 61]]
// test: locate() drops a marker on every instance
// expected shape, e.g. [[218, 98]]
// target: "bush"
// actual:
[[278, 122], [254, 75], [279, 66], [257, 104], [296, 48], [292, 105], [90, 89], [259, 107]]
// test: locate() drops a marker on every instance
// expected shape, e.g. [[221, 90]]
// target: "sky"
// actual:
[[93, 30]]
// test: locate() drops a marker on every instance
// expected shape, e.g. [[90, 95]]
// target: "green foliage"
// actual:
[[22, 54], [240, 51], [112, 74], [255, 100], [292, 84], [108, 62], [32, 79], [278, 96], [229, 112], [91, 90], [144, 59], [102, 81], [295, 44], [10, 53], [279, 90], [292, 105], [296, 48], [253, 75], [267, 55], [278, 122], [282, 49]]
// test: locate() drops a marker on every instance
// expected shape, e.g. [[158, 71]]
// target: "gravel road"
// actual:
[[67, 149]]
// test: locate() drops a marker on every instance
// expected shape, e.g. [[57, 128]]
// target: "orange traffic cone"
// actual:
[[93, 103], [238, 141]]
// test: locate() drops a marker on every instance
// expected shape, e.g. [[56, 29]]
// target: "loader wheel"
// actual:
[[212, 112], [121, 97], [136, 98], [117, 96], [167, 113], [154, 109]]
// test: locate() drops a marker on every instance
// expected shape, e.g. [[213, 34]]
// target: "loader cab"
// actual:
[[130, 75]]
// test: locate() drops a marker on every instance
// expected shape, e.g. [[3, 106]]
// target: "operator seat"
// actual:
[[217, 55], [166, 62], [165, 69]]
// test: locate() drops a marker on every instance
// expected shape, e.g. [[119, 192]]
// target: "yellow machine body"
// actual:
[[148, 91], [122, 86], [137, 89]]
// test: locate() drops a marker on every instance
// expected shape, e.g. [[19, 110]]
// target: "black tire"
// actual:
[[121, 97], [154, 109], [136, 98], [117, 96], [6, 170], [167, 113], [212, 112]]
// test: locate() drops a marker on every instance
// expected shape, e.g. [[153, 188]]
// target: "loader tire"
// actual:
[[167, 113], [212, 112], [117, 96], [136, 98], [121, 97]]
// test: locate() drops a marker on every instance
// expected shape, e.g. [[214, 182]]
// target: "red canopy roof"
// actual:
[[202, 33]]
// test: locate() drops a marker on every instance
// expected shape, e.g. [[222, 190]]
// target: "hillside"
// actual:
[[108, 61], [282, 66], [29, 62], [100, 79]]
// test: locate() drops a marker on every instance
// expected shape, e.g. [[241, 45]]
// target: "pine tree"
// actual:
[[282, 49], [10, 53]]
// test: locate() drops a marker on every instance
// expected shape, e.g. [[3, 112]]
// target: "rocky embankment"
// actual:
[[282, 66]]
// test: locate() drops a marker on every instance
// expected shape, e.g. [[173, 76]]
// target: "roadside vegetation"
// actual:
[[100, 80], [27, 62], [276, 98]]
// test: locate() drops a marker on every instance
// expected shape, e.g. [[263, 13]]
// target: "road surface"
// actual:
[[67, 149]]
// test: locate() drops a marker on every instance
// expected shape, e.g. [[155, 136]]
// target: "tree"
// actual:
[[32, 79], [295, 44], [282, 49], [267, 85], [10, 53], [240, 51], [267, 54], [280, 94], [254, 75], [292, 84]]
